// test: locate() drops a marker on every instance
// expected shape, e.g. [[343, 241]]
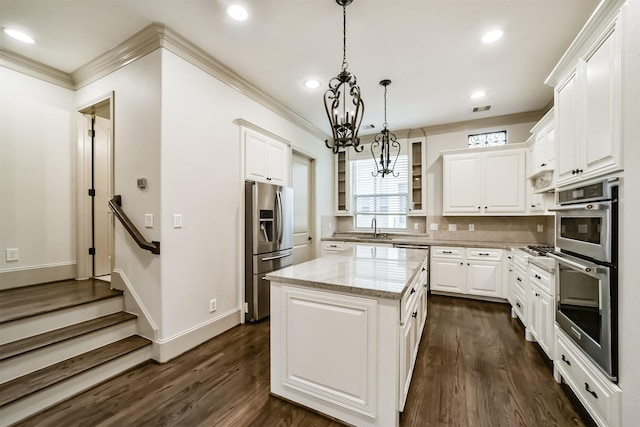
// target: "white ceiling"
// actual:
[[431, 50]]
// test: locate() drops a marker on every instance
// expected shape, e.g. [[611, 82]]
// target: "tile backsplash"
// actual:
[[485, 228]]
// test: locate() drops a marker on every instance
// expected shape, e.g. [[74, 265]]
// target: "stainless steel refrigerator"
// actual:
[[268, 241]]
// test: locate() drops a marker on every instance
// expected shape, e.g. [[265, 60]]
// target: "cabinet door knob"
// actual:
[[462, 263], [413, 291], [414, 314], [478, 207]]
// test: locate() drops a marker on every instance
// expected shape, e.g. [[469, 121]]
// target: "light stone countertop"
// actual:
[[363, 270], [419, 240]]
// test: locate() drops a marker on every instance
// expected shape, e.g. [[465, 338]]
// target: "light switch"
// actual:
[[177, 220], [148, 220], [452, 227]]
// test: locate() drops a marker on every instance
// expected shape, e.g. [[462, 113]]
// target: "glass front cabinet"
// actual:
[[417, 183]]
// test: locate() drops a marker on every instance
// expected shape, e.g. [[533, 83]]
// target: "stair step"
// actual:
[[38, 309], [19, 388], [29, 301], [59, 335]]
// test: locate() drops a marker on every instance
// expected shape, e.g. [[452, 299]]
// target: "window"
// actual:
[[489, 139], [382, 198]]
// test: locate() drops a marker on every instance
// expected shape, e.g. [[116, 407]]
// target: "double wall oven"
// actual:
[[587, 275]]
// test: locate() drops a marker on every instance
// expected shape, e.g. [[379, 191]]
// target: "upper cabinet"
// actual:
[[543, 154], [485, 182], [266, 159], [588, 103], [417, 183]]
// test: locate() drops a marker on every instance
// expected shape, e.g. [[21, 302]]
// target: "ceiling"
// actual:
[[430, 50]]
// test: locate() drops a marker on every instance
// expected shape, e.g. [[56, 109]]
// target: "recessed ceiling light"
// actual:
[[477, 94], [492, 36], [19, 35], [312, 84], [237, 12]]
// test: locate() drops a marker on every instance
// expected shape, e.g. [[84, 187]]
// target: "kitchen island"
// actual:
[[345, 330]]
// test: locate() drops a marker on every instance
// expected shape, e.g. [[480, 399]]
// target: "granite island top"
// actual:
[[362, 270]]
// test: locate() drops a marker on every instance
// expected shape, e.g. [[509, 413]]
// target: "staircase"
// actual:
[[61, 338]]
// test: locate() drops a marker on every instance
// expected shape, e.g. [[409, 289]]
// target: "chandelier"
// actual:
[[383, 143], [342, 100]]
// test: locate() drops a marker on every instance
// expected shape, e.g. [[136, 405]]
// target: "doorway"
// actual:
[[96, 242], [302, 177]]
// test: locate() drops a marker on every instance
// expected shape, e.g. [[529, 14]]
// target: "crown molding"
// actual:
[[147, 40], [24, 65], [507, 119], [601, 17]]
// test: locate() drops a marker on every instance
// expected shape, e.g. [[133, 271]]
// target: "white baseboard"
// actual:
[[166, 350], [27, 276]]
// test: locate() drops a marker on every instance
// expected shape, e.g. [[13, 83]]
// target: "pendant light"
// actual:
[[383, 143], [342, 100]]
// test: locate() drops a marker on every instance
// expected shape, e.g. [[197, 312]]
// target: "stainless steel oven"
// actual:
[[587, 279], [584, 220], [586, 308]]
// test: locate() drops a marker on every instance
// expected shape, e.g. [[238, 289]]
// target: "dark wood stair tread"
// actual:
[[19, 388], [30, 301], [59, 335]]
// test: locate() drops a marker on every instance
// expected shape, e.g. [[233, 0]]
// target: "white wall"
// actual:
[[455, 140], [37, 211], [136, 143], [202, 181], [629, 287]]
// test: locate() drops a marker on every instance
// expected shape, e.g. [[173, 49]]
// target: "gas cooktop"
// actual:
[[538, 250]]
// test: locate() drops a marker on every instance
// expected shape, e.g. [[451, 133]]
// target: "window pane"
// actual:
[[382, 198], [489, 139]]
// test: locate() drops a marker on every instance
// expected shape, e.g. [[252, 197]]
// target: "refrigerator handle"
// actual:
[[280, 212]]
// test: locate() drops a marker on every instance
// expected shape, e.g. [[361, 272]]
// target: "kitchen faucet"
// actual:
[[374, 225]]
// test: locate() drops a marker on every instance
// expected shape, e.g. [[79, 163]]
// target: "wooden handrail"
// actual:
[[116, 206]]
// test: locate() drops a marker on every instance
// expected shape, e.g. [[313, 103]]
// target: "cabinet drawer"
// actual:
[[519, 281], [520, 305], [594, 392], [445, 252], [541, 278], [485, 254], [408, 304], [334, 246]]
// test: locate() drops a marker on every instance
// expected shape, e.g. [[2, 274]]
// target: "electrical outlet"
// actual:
[[212, 305], [416, 226], [452, 227], [434, 227], [472, 227], [148, 220], [540, 228], [11, 254]]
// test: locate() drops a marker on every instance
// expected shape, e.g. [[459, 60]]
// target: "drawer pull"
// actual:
[[537, 277], [518, 279], [518, 304], [565, 360], [483, 254], [424, 269], [415, 314], [413, 291], [586, 387], [447, 252]]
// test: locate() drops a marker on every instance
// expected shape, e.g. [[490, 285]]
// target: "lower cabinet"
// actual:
[[472, 271], [600, 397], [541, 313]]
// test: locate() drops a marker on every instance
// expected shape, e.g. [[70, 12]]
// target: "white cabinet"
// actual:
[[588, 103], [266, 159], [541, 308], [542, 155], [417, 183], [484, 182], [600, 397], [469, 271]]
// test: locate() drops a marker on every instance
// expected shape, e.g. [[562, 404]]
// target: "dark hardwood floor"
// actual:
[[474, 368]]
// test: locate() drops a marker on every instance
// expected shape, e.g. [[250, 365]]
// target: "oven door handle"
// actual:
[[582, 206], [576, 265]]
